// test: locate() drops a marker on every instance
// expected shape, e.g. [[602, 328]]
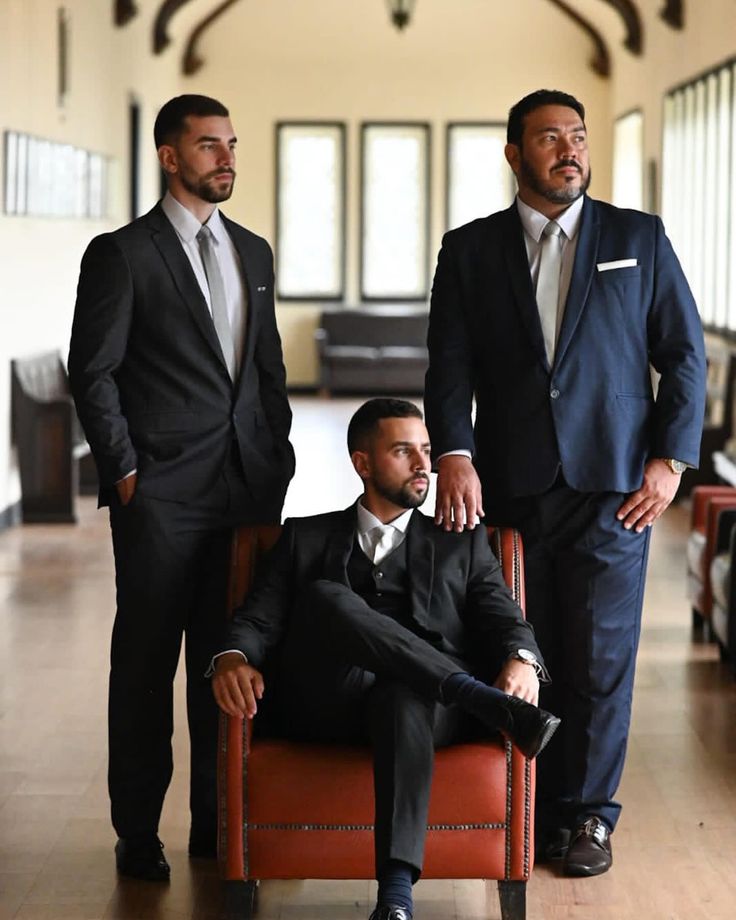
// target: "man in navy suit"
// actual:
[[571, 443], [177, 373]]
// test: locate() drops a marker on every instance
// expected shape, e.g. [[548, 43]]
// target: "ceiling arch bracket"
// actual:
[[191, 61], [600, 62], [673, 13]]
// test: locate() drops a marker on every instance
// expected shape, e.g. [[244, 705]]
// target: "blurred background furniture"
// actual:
[[297, 810], [49, 440], [708, 503], [373, 350], [723, 588], [718, 426]]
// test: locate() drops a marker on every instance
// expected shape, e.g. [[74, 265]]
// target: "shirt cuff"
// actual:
[[127, 476], [456, 453], [211, 669]]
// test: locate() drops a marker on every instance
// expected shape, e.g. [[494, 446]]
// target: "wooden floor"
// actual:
[[675, 848]]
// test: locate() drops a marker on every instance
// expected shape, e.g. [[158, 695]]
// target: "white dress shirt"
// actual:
[[377, 539], [187, 227]]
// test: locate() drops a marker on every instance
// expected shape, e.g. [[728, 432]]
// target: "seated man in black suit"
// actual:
[[389, 630]]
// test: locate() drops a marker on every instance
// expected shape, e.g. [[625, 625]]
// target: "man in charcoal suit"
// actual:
[[177, 373], [370, 622], [549, 315]]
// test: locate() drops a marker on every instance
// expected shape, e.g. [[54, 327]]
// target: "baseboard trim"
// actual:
[[300, 389], [11, 516]]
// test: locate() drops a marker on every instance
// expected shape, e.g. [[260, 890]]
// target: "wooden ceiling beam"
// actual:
[[600, 62], [166, 12], [629, 13], [673, 13], [191, 61], [123, 11]]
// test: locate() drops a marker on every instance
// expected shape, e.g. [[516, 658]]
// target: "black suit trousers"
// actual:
[[350, 673], [171, 568]]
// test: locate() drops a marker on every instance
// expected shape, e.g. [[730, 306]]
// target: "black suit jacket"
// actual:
[[593, 413], [147, 372], [459, 600]]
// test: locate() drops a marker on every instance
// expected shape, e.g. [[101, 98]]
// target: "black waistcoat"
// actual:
[[384, 587]]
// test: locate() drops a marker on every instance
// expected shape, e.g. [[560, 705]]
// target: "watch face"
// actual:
[[677, 466], [526, 655]]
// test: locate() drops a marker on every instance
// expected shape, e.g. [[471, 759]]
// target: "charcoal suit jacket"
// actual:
[[459, 600], [148, 375]]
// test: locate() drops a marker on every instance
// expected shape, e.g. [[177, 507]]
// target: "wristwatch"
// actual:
[[677, 466], [523, 654]]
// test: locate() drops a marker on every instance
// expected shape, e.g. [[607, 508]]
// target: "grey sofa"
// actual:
[[379, 349]]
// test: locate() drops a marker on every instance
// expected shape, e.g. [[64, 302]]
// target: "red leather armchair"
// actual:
[[294, 810]]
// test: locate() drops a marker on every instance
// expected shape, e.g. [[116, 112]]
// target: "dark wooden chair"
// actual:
[[294, 810], [49, 440]]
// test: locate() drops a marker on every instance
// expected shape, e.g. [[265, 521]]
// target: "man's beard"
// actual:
[[207, 189], [565, 195], [405, 496]]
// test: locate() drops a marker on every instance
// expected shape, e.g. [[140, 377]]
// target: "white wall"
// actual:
[[40, 257]]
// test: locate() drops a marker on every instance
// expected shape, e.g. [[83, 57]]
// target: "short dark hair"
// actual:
[[170, 121], [365, 421], [534, 101]]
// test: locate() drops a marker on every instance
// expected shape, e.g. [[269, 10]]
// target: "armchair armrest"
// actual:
[[701, 496]]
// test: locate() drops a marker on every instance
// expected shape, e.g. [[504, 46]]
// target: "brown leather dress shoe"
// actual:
[[590, 851]]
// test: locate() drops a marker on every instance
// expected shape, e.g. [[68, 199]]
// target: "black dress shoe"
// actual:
[[201, 847], [387, 912], [142, 857], [589, 852], [552, 846], [530, 728]]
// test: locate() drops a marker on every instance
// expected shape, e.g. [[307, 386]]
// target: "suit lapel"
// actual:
[[420, 559], [586, 256], [340, 546], [521, 281], [166, 241], [246, 256]]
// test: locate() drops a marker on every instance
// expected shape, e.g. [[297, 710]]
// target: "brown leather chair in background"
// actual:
[[291, 810], [707, 504]]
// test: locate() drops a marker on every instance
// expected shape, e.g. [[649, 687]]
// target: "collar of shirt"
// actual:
[[534, 222], [368, 521], [187, 226]]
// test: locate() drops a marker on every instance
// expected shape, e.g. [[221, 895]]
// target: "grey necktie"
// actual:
[[548, 285], [217, 299], [383, 542]]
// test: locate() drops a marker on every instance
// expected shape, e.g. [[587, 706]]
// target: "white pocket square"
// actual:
[[261, 287], [619, 263]]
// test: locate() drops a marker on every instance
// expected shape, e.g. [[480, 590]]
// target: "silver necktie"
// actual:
[[548, 285], [217, 299]]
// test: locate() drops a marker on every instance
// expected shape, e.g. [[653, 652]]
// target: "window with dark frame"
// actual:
[[310, 211], [395, 211]]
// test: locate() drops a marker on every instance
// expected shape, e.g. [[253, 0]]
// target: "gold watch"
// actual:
[[677, 466]]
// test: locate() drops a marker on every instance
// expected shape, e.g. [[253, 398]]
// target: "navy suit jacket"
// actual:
[[593, 414], [148, 376]]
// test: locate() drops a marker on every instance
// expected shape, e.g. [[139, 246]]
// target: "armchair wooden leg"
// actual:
[[238, 900], [513, 900]]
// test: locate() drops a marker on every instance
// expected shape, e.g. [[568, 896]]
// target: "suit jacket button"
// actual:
[[554, 392]]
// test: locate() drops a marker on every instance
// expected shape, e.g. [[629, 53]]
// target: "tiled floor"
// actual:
[[675, 848]]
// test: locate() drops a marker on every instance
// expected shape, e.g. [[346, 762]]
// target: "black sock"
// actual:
[[477, 698], [394, 885]]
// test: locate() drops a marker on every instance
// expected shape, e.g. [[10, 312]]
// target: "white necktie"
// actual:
[[548, 285], [383, 543], [217, 299]]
